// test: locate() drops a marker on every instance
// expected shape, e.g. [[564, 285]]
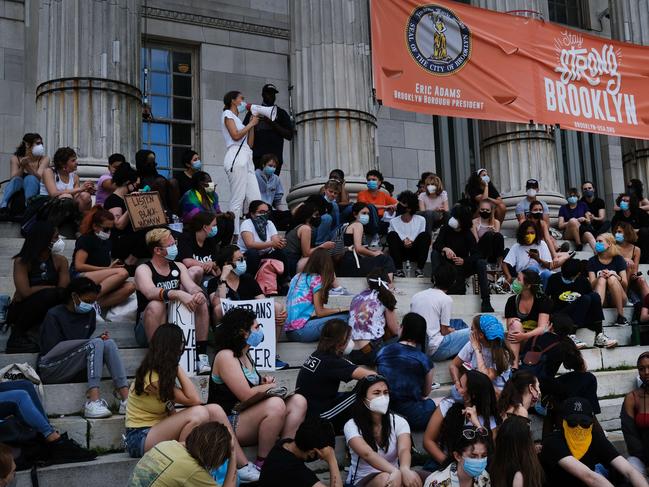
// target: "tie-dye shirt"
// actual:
[[367, 316], [299, 300], [193, 202]]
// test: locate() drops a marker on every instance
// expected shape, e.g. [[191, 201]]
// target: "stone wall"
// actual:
[[12, 76]]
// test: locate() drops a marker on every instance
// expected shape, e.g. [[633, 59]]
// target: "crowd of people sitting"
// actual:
[[502, 372]]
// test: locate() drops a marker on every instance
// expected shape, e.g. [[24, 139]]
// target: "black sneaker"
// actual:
[[399, 273], [579, 247], [565, 247], [486, 307], [621, 321], [66, 450]]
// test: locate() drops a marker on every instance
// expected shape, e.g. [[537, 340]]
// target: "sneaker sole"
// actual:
[[102, 416]]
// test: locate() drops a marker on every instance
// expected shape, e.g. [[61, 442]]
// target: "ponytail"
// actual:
[[95, 216], [377, 280]]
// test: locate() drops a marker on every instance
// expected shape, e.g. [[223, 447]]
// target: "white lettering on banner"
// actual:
[[438, 95], [264, 309], [576, 63]]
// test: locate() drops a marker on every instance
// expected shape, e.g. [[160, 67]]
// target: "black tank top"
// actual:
[[169, 282], [43, 273], [220, 393]]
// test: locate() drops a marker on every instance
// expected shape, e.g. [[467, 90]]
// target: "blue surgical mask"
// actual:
[[172, 252], [240, 268], [219, 473], [84, 307], [600, 247], [572, 200], [624, 205], [364, 218], [619, 237], [567, 281], [485, 179], [372, 184], [589, 193], [474, 466], [213, 231], [242, 107], [255, 338], [197, 165], [269, 170]]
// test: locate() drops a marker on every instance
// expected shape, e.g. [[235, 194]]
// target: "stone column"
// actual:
[[87, 94], [630, 23], [332, 98], [514, 153]]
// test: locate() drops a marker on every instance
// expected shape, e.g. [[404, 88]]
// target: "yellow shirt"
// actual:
[[143, 411], [168, 464]]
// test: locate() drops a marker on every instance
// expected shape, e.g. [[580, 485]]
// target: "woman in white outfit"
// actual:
[[238, 165]]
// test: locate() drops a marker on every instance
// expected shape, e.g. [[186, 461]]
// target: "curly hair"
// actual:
[[165, 348], [521, 232]]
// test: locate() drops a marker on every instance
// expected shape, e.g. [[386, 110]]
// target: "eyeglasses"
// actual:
[[471, 433], [583, 422], [372, 379]]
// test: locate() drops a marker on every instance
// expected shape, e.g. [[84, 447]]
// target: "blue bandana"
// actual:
[[491, 327]]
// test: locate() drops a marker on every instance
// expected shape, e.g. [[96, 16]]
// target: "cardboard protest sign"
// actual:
[[180, 315], [145, 210], [264, 354]]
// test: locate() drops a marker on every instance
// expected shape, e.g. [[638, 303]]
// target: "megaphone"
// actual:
[[260, 110]]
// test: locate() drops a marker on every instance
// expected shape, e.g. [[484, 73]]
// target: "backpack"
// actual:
[[534, 359], [338, 239], [22, 371], [267, 274], [56, 210]]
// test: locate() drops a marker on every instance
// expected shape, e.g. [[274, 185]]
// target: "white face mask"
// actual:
[[531, 192], [58, 247], [38, 150], [431, 188], [379, 404], [349, 347], [103, 235], [453, 223]]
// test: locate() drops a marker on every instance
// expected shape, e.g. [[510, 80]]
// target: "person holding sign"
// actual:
[[236, 284], [127, 244], [260, 410], [162, 280], [151, 417], [202, 197], [238, 165]]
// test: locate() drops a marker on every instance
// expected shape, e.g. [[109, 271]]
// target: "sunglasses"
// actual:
[[584, 423], [471, 433], [371, 379]]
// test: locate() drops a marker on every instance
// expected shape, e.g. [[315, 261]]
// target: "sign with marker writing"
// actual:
[[180, 315], [264, 354], [145, 210]]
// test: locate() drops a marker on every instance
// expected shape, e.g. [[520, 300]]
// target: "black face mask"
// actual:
[[537, 215], [485, 214], [401, 210], [315, 222]]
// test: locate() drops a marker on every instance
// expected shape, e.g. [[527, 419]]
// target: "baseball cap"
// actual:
[[578, 410], [531, 183], [270, 87]]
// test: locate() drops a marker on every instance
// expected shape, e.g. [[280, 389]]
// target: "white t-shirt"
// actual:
[[358, 471], [435, 306], [408, 230], [467, 354], [229, 141], [517, 256], [433, 202], [247, 226]]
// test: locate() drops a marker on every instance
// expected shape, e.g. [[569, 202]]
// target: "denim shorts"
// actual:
[[134, 439]]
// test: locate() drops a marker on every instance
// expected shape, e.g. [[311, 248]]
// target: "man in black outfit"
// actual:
[[270, 134], [569, 455], [597, 208], [284, 465]]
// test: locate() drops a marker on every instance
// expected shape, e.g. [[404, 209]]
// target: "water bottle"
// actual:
[[176, 225]]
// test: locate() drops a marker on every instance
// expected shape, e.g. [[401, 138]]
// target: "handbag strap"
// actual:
[[549, 347], [235, 156]]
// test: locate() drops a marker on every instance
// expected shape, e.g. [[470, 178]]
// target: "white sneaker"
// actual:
[[339, 291], [248, 473], [122, 406], [203, 364], [96, 409], [602, 340], [435, 385], [578, 343]]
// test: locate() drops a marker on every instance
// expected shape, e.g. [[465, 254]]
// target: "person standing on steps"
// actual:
[[270, 134], [238, 165]]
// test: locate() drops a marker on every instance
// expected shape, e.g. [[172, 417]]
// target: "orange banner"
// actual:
[[447, 58]]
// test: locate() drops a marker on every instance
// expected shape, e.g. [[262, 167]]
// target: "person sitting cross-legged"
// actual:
[[162, 280], [407, 236]]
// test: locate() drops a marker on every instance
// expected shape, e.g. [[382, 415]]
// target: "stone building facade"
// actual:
[[78, 72]]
